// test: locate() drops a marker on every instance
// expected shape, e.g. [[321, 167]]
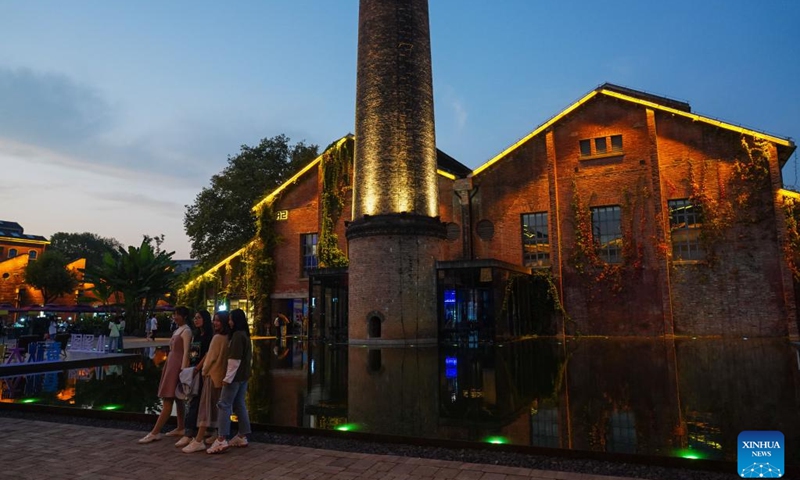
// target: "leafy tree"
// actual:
[[50, 275], [221, 219], [86, 245], [140, 274]]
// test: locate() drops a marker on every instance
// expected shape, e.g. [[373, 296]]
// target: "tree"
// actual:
[[221, 219], [86, 245], [50, 275], [140, 274]]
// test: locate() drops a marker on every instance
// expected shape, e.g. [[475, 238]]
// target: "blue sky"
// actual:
[[114, 115]]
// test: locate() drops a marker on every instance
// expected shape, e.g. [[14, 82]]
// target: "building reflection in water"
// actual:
[[642, 396], [662, 397]]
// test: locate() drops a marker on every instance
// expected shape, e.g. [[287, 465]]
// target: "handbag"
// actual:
[[188, 384]]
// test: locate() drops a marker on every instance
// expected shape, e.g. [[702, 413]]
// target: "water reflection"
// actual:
[[641, 396]]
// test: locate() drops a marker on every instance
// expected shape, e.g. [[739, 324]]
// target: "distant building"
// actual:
[[645, 218], [16, 249]]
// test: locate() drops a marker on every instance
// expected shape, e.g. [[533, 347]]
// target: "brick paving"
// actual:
[[35, 450]]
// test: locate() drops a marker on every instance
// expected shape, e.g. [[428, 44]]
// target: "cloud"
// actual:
[[50, 118], [139, 200], [50, 109]]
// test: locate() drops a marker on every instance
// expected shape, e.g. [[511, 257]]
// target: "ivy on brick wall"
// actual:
[[740, 198], [791, 248], [585, 256], [193, 293], [337, 162], [259, 261]]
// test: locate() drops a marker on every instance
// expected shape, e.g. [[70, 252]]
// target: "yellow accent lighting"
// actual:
[[539, 130], [700, 118], [216, 267], [446, 174], [692, 116], [269, 198]]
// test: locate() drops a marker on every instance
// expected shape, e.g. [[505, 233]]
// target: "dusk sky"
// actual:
[[114, 115]]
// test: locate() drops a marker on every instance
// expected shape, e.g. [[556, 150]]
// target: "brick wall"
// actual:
[[743, 294]]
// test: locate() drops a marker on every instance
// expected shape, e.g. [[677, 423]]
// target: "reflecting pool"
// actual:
[[682, 397]]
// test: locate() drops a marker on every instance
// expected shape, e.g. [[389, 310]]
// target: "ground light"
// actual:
[[347, 427], [110, 407], [496, 440], [29, 400], [689, 453]]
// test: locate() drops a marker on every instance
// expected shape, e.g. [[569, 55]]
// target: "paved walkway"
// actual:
[[35, 449]]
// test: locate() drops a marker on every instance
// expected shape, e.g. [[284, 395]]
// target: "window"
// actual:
[[12, 252], [544, 428], [308, 250], [586, 148], [2, 251], [623, 432], [685, 221], [607, 234], [616, 143], [535, 239], [601, 146], [32, 254]]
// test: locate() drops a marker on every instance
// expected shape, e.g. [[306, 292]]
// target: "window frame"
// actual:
[[304, 254], [537, 258], [683, 232], [12, 252], [602, 218], [609, 148]]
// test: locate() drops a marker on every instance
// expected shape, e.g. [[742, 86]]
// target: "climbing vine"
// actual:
[[337, 162], [585, 257], [791, 248], [739, 200], [194, 293], [259, 262]]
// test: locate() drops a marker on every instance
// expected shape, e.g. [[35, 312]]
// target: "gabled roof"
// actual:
[[785, 146], [448, 167]]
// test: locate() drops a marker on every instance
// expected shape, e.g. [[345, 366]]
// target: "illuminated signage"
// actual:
[[282, 215]]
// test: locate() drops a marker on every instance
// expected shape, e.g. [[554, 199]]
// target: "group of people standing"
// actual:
[[220, 350]]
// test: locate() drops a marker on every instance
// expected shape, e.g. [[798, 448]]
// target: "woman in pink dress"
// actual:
[[178, 359]]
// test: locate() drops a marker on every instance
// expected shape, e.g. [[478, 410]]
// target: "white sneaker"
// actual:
[[183, 442], [218, 447], [238, 441], [195, 446], [150, 438]]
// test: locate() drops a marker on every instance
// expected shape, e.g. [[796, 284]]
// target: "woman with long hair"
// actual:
[[214, 369], [234, 386], [202, 333], [177, 359]]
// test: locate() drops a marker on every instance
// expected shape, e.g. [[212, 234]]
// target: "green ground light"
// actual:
[[110, 407], [496, 440], [29, 400], [347, 427], [689, 453]]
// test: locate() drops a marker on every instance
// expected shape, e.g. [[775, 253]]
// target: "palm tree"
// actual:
[[141, 274]]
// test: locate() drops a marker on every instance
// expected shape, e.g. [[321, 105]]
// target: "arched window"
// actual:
[[374, 327], [32, 254], [12, 252]]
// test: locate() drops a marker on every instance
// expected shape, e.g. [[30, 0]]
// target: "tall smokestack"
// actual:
[[395, 235]]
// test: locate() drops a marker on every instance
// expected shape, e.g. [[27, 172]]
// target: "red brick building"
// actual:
[[645, 218]]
